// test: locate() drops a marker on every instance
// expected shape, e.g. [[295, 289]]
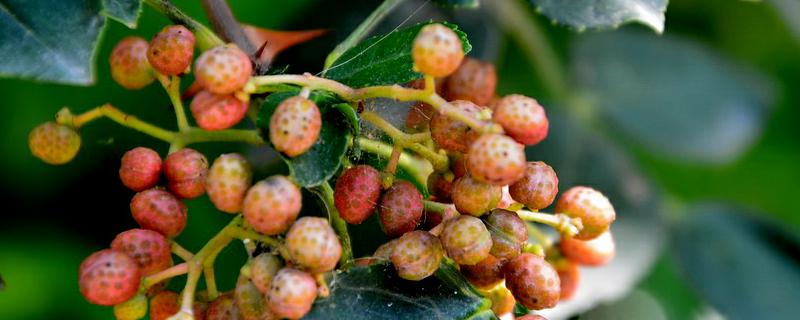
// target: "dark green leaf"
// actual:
[[458, 3], [124, 11], [604, 14], [744, 267], [52, 41], [673, 96], [383, 60]]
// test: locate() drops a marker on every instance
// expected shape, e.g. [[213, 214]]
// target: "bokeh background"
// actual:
[[693, 134]]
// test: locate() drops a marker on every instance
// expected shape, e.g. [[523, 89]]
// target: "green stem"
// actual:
[[408, 141], [196, 135], [171, 272], [433, 206], [418, 169], [563, 223], [325, 192], [173, 87], [181, 252], [206, 39], [361, 31]]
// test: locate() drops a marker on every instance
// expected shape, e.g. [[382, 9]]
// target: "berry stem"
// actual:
[[171, 272], [108, 111], [540, 237], [181, 252], [173, 87], [391, 167], [325, 193], [206, 39], [211, 282], [418, 168], [360, 32], [195, 135], [433, 206], [559, 221], [408, 141]]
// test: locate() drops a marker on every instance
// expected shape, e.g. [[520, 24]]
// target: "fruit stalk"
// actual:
[[559, 221], [325, 193], [416, 167], [408, 141], [173, 87]]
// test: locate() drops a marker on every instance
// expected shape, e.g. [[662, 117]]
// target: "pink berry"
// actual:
[[474, 80], [263, 268], [357, 192], [522, 118], [417, 255], [158, 210], [595, 252], [171, 50], [108, 277], [508, 232], [223, 69], [589, 205], [223, 308], [538, 187], [496, 159], [533, 281], [313, 244], [291, 293], [401, 209], [451, 134], [129, 65], [474, 197], [272, 205], [54, 143], [148, 248], [217, 112], [466, 240], [140, 169], [437, 50], [186, 171], [485, 274], [228, 180], [295, 126]]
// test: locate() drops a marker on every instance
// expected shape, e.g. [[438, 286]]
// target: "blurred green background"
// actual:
[[57, 215]]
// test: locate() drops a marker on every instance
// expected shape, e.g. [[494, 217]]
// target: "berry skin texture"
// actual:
[[596, 252], [129, 65], [140, 169], [223, 308], [313, 244], [291, 294], [214, 112], [522, 118], [250, 301], [508, 232], [262, 269], [570, 276], [496, 159], [108, 277], [400, 209], [538, 187], [485, 274], [591, 206], [437, 50], [451, 134], [295, 126], [474, 197], [148, 248], [133, 309], [357, 192], [417, 255], [186, 171], [160, 211], [228, 180], [466, 240], [54, 143], [223, 69], [440, 187], [171, 50], [271, 205], [419, 117], [533, 281], [474, 80]]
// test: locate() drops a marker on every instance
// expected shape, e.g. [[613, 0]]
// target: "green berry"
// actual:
[[171, 50], [108, 277], [437, 50], [313, 244], [533, 281], [228, 180], [357, 192], [133, 309], [401, 209], [160, 211], [595, 252], [295, 126], [263, 268], [496, 159], [474, 197], [522, 118], [272, 205], [223, 69], [186, 171], [129, 65], [54, 143], [417, 255], [538, 187], [474, 80], [589, 205], [485, 274], [250, 301], [508, 232], [140, 169], [214, 112], [291, 293], [466, 240]]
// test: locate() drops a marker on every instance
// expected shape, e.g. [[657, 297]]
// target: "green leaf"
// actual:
[[746, 268], [50, 41], [376, 292], [321, 162], [675, 97], [458, 3], [124, 11], [384, 59], [604, 14]]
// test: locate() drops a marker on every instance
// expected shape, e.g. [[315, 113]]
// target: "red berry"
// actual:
[[263, 268], [401, 209], [440, 187], [129, 65], [570, 276], [496, 159], [433, 219], [171, 50], [133, 309], [451, 134], [538, 187], [251, 302], [272, 205], [474, 197], [458, 164], [589, 205], [140, 169], [291, 294], [228, 180], [108, 277], [466, 240], [437, 50], [54, 143], [508, 232], [158, 210], [357, 192], [595, 252], [313, 244], [474, 80], [223, 69], [148, 248], [419, 117], [417, 255], [217, 112], [484, 274], [186, 171], [223, 308], [533, 281], [522, 118], [295, 126], [163, 305]]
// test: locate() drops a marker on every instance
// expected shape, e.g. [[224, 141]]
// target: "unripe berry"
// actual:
[[508, 232], [417, 255], [522, 118], [108, 277], [148, 248], [133, 309], [171, 50], [160, 211], [401, 209], [538, 187], [250, 301], [313, 244], [295, 126], [569, 276], [357, 192], [486, 273], [451, 134], [291, 294], [502, 301], [140, 169], [496, 159], [466, 240], [228, 180], [263, 268], [437, 50], [223, 308], [129, 65], [54, 143], [272, 205], [474, 80], [419, 117], [217, 112], [223, 69], [186, 171], [440, 187], [591, 206], [595, 252], [533, 281], [474, 197]]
